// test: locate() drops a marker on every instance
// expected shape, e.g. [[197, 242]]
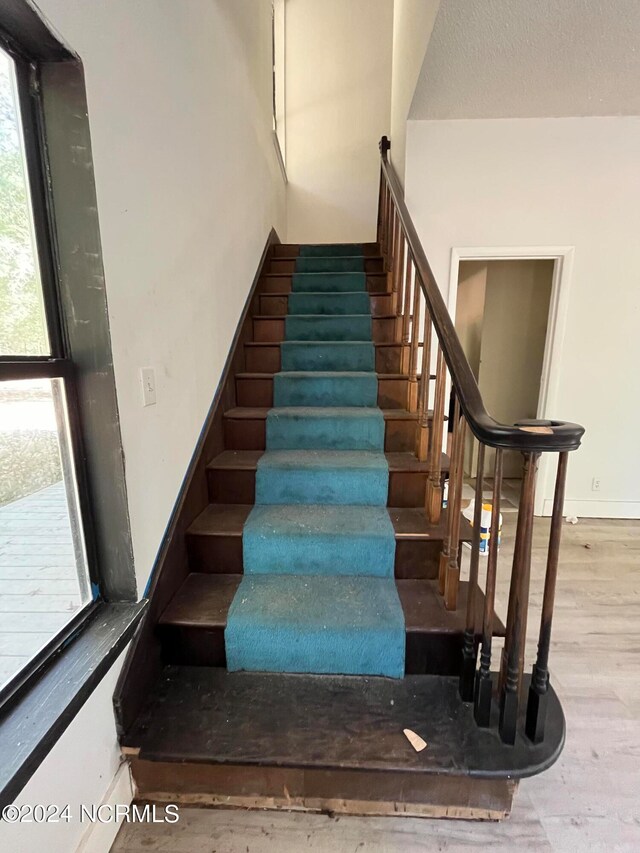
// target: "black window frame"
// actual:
[[59, 363], [39, 702]]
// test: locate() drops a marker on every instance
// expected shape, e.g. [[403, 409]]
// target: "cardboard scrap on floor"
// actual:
[[415, 740]]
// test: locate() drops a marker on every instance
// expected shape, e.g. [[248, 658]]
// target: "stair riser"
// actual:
[[377, 283], [266, 359], [278, 304], [426, 653], [288, 265], [249, 434], [292, 250], [337, 791], [415, 558], [238, 486], [250, 391], [271, 330]]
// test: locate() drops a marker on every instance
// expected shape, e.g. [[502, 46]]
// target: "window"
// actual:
[[45, 582]]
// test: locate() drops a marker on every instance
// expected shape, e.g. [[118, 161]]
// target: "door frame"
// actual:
[[554, 343]]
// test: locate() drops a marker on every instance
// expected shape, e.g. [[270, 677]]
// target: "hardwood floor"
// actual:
[[589, 801]]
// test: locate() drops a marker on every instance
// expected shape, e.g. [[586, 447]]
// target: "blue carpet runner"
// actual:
[[318, 594]]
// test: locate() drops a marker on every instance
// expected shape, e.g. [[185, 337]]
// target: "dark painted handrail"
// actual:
[[526, 436]]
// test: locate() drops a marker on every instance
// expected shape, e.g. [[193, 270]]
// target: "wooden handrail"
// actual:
[[526, 436], [422, 320]]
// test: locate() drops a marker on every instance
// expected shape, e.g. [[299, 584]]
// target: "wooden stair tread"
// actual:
[[356, 255], [203, 601], [220, 520], [270, 375], [284, 316], [408, 522], [277, 343], [206, 715], [260, 413], [247, 460]]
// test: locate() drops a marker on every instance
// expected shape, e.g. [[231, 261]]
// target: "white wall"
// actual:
[[412, 25], [188, 187], [554, 182], [77, 771], [338, 93]]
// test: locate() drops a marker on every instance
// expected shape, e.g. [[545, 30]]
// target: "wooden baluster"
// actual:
[[390, 239], [406, 318], [422, 428], [412, 385], [433, 497], [399, 286], [449, 574], [539, 687], [469, 653], [391, 212], [513, 654], [383, 222], [484, 685], [395, 273], [447, 541]]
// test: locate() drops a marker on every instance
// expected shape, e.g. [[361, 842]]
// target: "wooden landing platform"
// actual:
[[327, 743]]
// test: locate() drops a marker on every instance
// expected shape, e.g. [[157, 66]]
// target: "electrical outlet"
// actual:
[[148, 379], [595, 484]]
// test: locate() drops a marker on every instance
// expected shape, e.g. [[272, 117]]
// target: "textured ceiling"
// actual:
[[531, 58]]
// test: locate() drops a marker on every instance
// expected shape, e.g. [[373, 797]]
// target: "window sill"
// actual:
[[31, 726]]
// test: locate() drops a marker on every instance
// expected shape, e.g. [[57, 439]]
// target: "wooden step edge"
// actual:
[[367, 245], [382, 377], [368, 273], [409, 523], [332, 316], [204, 599], [375, 343], [333, 257], [282, 293], [247, 460], [259, 413]]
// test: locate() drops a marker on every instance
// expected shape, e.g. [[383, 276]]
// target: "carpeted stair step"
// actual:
[[349, 302], [325, 428], [319, 624], [328, 282], [322, 327], [353, 263], [336, 477], [319, 540], [332, 250], [327, 355], [325, 388]]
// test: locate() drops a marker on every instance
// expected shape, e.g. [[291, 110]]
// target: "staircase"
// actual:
[[318, 594], [307, 605]]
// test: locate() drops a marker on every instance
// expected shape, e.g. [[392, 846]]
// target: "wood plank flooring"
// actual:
[[39, 587], [589, 801]]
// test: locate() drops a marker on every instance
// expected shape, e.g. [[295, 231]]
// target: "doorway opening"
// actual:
[[502, 318]]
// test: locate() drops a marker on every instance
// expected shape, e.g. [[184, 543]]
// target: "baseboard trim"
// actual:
[[597, 508], [99, 837]]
